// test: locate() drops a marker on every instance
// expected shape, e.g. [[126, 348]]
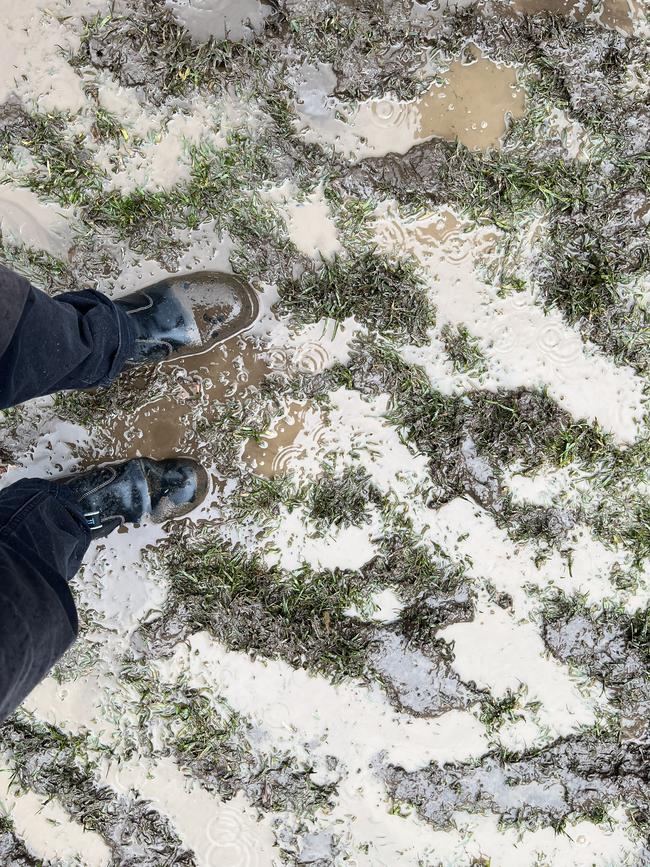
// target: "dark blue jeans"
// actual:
[[78, 340]]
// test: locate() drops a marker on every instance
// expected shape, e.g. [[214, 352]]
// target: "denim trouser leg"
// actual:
[[43, 537], [76, 340]]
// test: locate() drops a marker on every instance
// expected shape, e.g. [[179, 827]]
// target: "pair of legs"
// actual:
[[83, 340]]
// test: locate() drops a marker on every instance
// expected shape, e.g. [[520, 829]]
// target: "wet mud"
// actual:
[[409, 624], [195, 388]]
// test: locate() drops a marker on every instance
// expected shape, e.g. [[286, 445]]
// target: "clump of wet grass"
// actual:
[[261, 498], [66, 173], [343, 500], [63, 766], [463, 350], [297, 616], [129, 392], [360, 43], [495, 712], [406, 563], [504, 425], [639, 630], [385, 295], [433, 587], [43, 269], [150, 49]]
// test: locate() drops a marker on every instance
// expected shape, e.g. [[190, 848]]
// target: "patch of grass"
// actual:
[[42, 269], [66, 173], [261, 498], [464, 350], [384, 295], [343, 500], [497, 711], [151, 49], [406, 563], [129, 391], [248, 605], [639, 630]]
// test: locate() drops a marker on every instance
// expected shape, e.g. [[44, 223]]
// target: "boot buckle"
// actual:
[[92, 522]]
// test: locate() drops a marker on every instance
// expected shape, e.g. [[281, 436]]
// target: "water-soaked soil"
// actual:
[[409, 624]]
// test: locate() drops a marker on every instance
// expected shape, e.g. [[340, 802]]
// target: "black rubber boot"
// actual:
[[127, 492], [187, 315]]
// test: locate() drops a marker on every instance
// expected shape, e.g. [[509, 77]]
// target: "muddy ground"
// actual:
[[410, 624]]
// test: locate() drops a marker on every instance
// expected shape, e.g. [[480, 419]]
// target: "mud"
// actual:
[[453, 108], [409, 624], [276, 451], [25, 221], [167, 424], [219, 19]]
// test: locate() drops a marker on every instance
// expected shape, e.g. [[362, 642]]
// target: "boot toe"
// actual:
[[177, 486]]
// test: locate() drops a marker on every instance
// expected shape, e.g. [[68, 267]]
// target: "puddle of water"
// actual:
[[311, 227], [220, 19], [278, 451], [168, 425], [616, 14], [470, 102], [25, 220], [524, 345]]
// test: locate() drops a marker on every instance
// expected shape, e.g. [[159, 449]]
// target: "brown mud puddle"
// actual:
[[617, 14], [171, 424], [277, 452], [470, 101]]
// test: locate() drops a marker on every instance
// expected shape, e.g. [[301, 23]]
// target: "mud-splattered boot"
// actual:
[[187, 315], [123, 493]]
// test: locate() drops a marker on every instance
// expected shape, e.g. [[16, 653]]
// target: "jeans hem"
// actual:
[[125, 345]]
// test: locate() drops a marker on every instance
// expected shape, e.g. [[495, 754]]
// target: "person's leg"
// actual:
[[74, 340], [81, 340], [45, 530], [43, 537]]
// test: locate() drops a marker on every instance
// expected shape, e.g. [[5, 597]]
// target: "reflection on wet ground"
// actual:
[[169, 424], [220, 19], [617, 14], [470, 101], [278, 451]]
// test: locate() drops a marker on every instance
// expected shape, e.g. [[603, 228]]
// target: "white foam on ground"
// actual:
[[54, 453], [295, 541]]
